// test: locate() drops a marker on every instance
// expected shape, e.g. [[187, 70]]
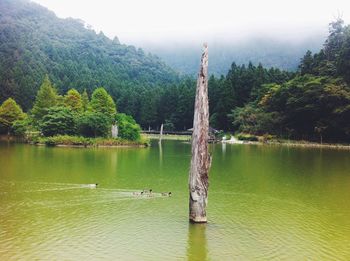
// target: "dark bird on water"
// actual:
[[166, 194]]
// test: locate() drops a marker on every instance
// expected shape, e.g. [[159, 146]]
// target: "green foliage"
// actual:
[[242, 85], [10, 112], [128, 129], [168, 126], [20, 127], [334, 59], [58, 120], [34, 42], [307, 63], [250, 119], [310, 102], [85, 100], [102, 102], [73, 101], [247, 137], [46, 98], [67, 140], [311, 106], [94, 124]]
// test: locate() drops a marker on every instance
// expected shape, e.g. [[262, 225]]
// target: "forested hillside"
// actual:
[[314, 105], [34, 42]]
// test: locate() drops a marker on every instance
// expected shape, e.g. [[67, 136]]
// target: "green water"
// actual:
[[264, 203]]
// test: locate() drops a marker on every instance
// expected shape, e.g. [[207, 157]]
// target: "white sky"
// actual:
[[136, 21]]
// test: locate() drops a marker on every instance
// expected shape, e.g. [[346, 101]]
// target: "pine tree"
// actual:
[[306, 64], [47, 97], [73, 100], [10, 111], [102, 102]]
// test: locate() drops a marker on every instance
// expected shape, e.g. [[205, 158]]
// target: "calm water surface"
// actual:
[[265, 203]]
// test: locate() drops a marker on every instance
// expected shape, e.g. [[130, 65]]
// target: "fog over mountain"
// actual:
[[271, 52], [275, 33]]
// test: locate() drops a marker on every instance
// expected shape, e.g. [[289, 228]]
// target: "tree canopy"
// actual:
[[314, 104], [73, 100], [46, 98], [58, 120], [10, 112], [102, 102]]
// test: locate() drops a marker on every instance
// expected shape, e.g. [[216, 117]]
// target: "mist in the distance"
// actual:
[[257, 31]]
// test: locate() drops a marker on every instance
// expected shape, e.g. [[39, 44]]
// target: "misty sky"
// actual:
[[137, 21]]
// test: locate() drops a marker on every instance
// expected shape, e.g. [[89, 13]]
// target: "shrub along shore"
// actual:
[[79, 141], [76, 141]]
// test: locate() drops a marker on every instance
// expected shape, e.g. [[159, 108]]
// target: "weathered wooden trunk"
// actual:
[[161, 133], [114, 131], [201, 160]]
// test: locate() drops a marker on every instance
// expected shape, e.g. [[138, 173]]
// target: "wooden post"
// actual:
[[201, 160], [161, 133]]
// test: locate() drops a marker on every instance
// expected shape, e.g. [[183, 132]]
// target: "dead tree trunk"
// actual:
[[200, 162], [161, 133]]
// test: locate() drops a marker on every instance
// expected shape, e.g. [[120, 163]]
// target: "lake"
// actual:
[[265, 203]]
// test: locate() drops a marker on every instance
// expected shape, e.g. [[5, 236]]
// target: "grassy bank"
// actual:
[[168, 137], [243, 138], [308, 144], [78, 141]]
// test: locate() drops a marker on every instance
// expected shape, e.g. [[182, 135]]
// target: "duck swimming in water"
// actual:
[[138, 193], [93, 185], [166, 194], [149, 193]]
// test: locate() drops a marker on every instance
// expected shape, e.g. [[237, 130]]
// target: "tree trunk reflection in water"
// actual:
[[197, 242]]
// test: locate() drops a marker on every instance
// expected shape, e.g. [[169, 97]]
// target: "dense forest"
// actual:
[[34, 42], [314, 104], [311, 103]]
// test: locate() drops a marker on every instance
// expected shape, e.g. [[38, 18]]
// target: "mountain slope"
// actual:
[[34, 42]]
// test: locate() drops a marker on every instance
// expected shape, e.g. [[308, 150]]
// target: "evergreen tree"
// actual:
[[47, 97], [73, 100], [306, 64], [58, 121], [10, 111], [102, 102]]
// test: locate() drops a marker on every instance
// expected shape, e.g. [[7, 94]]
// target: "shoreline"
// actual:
[[292, 143], [310, 144], [88, 146], [168, 137], [77, 142]]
